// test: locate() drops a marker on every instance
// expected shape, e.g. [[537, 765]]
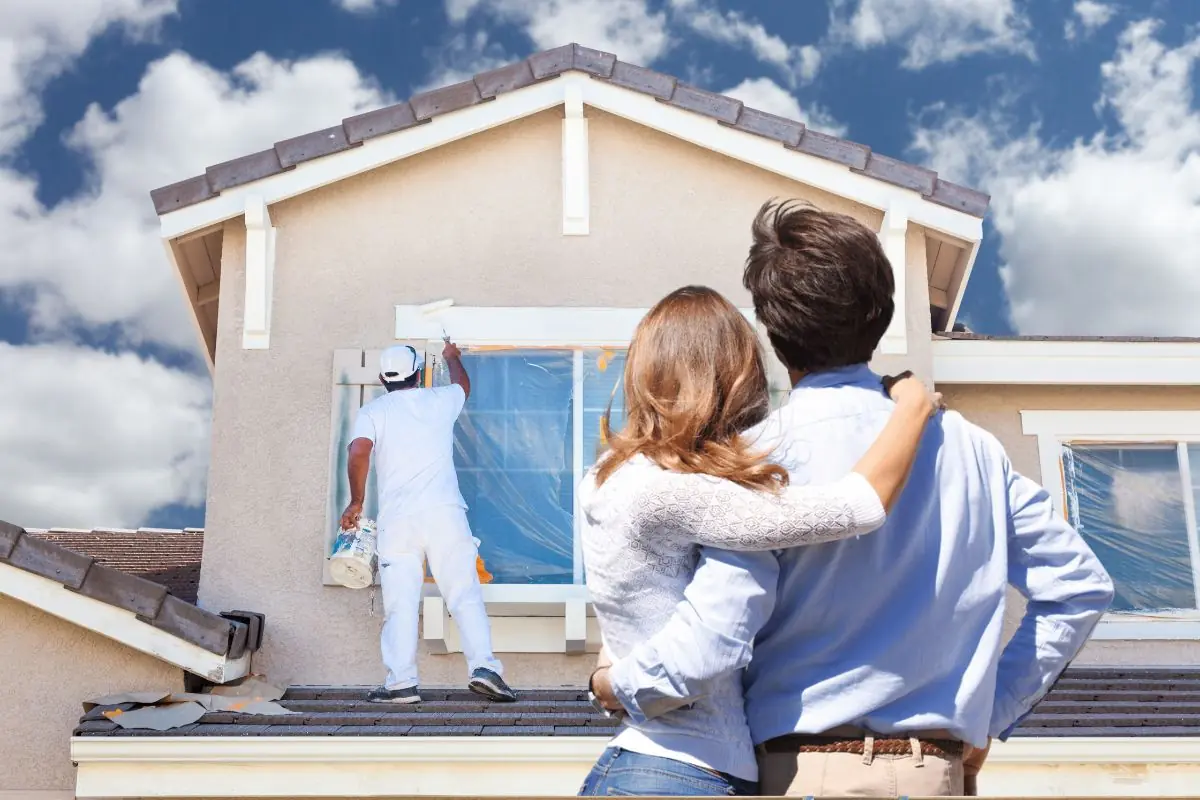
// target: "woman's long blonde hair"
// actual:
[[694, 381]]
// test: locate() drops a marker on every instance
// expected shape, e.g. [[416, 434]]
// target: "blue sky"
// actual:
[[1079, 116]]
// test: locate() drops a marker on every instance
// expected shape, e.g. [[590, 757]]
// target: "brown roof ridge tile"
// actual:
[[105, 566], [547, 65]]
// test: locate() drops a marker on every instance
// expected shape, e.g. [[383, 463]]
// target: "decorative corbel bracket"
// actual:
[[260, 275]]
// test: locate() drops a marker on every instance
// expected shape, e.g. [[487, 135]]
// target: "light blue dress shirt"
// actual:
[[894, 632]]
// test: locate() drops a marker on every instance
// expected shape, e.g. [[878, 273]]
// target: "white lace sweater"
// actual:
[[642, 531]]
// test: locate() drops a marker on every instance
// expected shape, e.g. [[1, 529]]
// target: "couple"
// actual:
[[878, 664]]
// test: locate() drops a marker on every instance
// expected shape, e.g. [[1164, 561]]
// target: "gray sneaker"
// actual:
[[487, 683], [394, 696]]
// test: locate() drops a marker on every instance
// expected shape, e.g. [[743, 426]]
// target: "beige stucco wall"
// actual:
[[48, 668], [998, 409], [479, 221]]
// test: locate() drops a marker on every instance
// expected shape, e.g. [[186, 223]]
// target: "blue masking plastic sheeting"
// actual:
[[1127, 501], [514, 451]]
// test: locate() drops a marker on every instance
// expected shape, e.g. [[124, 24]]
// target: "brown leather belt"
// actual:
[[884, 745]]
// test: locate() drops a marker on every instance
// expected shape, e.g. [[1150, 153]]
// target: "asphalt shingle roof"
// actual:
[[1085, 702]]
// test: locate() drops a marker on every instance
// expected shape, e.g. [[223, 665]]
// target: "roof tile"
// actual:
[[910, 176], [504, 79], [823, 145], [50, 561], [242, 170], [552, 63], [122, 590], [770, 126], [184, 193], [194, 625], [593, 62], [445, 100], [710, 104], [640, 79], [9, 534], [312, 145], [960, 198]]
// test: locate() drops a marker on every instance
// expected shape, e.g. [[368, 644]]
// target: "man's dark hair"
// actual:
[[821, 284], [408, 383]]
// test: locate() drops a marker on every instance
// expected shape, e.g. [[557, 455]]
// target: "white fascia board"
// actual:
[[530, 326], [772, 156], [1066, 363], [1176, 426], [333, 766], [118, 624], [371, 154]]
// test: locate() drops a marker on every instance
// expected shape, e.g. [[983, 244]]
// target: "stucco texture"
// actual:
[[48, 669], [480, 221], [998, 409]]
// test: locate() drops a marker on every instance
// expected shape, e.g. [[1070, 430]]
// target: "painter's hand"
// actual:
[[451, 352], [907, 390], [351, 515]]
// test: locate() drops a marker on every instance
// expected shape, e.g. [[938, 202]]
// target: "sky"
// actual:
[[1079, 117]]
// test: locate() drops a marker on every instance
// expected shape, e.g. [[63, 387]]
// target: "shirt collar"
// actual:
[[854, 375]]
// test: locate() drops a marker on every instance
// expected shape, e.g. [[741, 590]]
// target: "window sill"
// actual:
[[1149, 627], [526, 618]]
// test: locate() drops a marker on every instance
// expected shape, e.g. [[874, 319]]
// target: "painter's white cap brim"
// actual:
[[400, 363]]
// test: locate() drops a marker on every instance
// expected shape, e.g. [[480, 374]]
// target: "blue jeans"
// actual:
[[622, 773]]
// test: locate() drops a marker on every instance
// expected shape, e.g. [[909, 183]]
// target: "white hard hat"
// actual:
[[398, 363]]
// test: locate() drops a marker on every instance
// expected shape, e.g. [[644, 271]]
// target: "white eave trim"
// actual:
[[1081, 363], [703, 131], [118, 624], [324, 766]]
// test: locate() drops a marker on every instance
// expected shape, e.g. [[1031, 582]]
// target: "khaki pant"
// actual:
[[851, 775]]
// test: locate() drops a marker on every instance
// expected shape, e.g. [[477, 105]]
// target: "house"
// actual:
[[553, 201]]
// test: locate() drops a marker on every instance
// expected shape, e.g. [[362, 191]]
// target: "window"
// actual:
[[527, 435], [1134, 504], [1129, 482]]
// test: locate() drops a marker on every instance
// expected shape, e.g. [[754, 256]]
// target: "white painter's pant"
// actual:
[[443, 536]]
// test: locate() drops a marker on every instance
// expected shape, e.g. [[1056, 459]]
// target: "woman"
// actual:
[[681, 474]]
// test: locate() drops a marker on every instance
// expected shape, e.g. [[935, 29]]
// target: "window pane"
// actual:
[[1127, 502], [513, 450], [603, 371]]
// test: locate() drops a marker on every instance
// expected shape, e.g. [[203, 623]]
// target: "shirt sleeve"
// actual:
[[1068, 591], [364, 426], [719, 513], [710, 634]]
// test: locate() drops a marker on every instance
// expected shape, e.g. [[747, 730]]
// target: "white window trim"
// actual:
[[1053, 429]]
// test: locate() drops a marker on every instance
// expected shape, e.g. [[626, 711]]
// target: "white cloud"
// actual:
[[932, 31], [1099, 236], [767, 95], [462, 57], [95, 258], [797, 62], [363, 6], [94, 439], [1089, 17], [39, 39], [625, 27]]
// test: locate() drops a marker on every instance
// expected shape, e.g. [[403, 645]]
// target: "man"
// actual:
[[421, 516], [881, 668]]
